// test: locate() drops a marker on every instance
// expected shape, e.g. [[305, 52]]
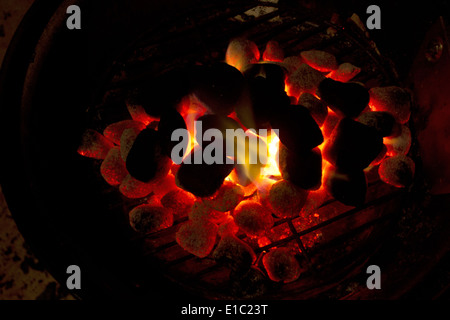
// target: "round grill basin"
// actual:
[[79, 219]]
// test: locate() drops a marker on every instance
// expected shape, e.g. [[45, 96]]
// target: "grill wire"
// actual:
[[349, 234]]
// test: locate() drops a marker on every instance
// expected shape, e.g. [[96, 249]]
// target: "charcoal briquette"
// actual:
[[146, 159], [201, 179], [383, 122], [304, 79], [320, 60], [281, 265], [303, 169], [242, 52], [170, 121], [197, 237], [265, 93], [218, 86], [397, 171], [234, 253], [179, 201], [273, 52], [149, 218], [347, 187], [253, 218], [345, 72], [392, 99], [297, 129], [347, 99], [284, 199], [352, 145], [273, 74], [317, 108]]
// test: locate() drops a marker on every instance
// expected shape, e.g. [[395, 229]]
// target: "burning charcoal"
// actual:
[[297, 129], [201, 179], [241, 52], [170, 121], [113, 168], [292, 63], [146, 160], [392, 99], [127, 140], [301, 169], [380, 157], [202, 212], [163, 91], [234, 253], [304, 79], [320, 60], [94, 145], [273, 74], [147, 218], [397, 171], [218, 87], [330, 123], [266, 93], [251, 285], [137, 113], [197, 237], [164, 185], [228, 227], [114, 131], [273, 52], [134, 189], [347, 187], [252, 218], [221, 123], [281, 265], [314, 200], [347, 99], [214, 121], [352, 145], [284, 199], [317, 108], [227, 198], [345, 72], [399, 144], [179, 201], [381, 121]]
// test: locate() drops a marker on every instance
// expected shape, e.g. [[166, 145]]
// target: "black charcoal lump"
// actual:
[[347, 99], [352, 145], [303, 169], [297, 129], [265, 94], [218, 86], [347, 187], [201, 179], [146, 159], [381, 121]]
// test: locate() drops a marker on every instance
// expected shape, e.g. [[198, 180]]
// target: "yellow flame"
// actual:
[[271, 168]]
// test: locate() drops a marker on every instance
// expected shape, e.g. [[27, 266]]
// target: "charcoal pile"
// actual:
[[316, 133]]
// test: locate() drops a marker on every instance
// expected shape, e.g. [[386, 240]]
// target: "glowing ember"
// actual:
[[242, 52], [273, 52], [197, 237], [113, 168], [147, 218], [281, 265]]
